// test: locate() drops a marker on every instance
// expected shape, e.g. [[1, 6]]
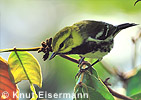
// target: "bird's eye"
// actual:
[[61, 45]]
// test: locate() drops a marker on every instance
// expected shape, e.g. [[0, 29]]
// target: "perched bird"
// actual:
[[87, 38]]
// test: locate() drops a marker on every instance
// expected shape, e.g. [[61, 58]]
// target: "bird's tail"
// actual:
[[123, 26], [126, 25]]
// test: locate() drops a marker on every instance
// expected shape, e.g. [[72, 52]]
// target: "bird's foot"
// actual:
[[81, 63], [80, 72], [85, 69]]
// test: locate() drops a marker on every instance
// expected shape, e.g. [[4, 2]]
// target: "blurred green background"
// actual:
[[26, 23]]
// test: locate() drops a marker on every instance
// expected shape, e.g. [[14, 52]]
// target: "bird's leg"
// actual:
[[81, 60], [80, 66], [83, 70], [92, 64]]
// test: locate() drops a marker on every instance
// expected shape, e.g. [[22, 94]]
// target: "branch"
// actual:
[[118, 95], [69, 58], [20, 49], [115, 93], [74, 60]]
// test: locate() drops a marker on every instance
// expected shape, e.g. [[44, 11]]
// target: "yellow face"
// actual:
[[66, 39], [60, 40]]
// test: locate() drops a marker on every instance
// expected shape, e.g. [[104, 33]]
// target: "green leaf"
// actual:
[[25, 67], [136, 96], [97, 84], [94, 72], [81, 92], [93, 85], [94, 95], [134, 84]]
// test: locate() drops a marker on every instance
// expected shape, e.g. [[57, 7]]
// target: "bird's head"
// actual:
[[65, 40]]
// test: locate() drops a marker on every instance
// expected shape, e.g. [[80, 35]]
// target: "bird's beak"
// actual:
[[53, 55]]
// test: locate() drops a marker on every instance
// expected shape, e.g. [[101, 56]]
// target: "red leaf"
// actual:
[[7, 85]]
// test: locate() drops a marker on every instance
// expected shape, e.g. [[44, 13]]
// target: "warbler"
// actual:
[[87, 38]]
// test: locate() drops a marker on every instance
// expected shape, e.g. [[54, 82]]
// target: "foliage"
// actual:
[[7, 84], [93, 86], [136, 96], [23, 66], [134, 86]]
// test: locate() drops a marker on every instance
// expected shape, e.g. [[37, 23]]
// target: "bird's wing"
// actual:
[[96, 29]]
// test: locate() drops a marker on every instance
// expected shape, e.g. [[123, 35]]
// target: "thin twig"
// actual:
[[118, 95], [69, 58], [115, 93], [19, 49], [74, 60]]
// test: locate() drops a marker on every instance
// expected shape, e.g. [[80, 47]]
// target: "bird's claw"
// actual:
[[80, 72], [81, 60]]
